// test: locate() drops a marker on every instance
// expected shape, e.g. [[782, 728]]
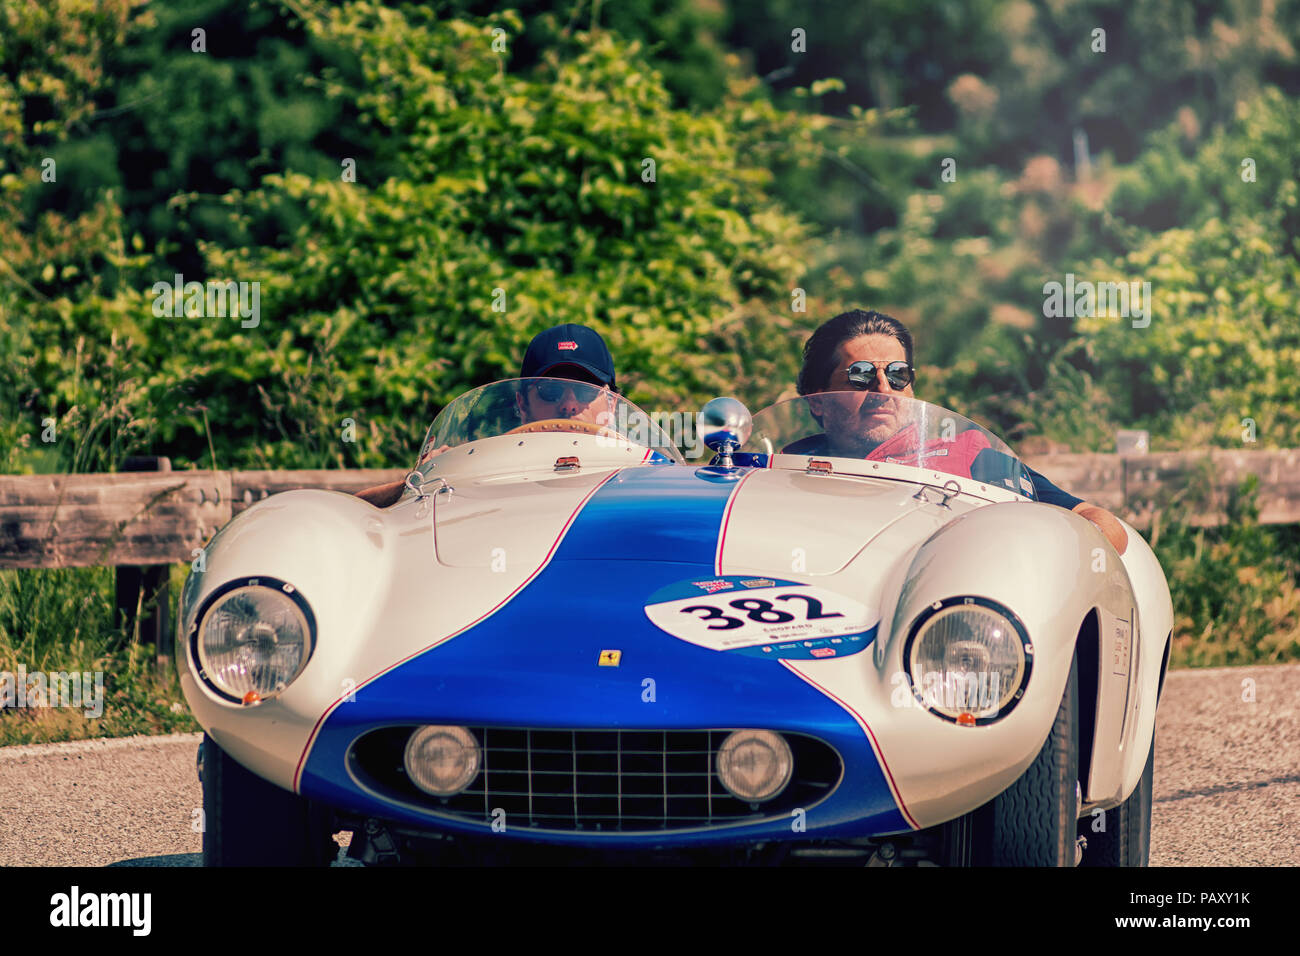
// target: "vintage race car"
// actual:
[[853, 638]]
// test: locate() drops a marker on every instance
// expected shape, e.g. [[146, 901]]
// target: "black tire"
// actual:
[[1034, 822], [1127, 838], [249, 822]]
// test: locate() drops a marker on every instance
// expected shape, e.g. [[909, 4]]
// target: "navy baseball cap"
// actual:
[[568, 345]]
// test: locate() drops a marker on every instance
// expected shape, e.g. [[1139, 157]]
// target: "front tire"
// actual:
[[1127, 838], [1033, 822], [249, 822]]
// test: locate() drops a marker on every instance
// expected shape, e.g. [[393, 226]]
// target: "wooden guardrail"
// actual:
[[141, 518], [1135, 487], [136, 518]]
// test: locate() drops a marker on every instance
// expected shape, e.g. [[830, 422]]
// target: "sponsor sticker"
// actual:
[[713, 586], [1121, 647], [764, 617]]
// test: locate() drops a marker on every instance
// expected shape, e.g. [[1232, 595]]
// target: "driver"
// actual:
[[871, 353], [578, 354], [569, 351]]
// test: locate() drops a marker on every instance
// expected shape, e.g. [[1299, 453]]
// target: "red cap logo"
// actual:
[[567, 346]]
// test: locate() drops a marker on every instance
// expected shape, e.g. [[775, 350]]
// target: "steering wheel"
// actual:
[[575, 425]]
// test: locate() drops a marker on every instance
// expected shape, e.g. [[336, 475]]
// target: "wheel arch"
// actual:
[[1088, 652]]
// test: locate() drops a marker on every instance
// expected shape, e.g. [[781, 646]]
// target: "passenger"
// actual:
[[871, 353]]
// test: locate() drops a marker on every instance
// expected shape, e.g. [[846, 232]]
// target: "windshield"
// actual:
[[875, 426], [530, 405]]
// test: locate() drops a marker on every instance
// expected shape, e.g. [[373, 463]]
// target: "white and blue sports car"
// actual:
[[564, 643]]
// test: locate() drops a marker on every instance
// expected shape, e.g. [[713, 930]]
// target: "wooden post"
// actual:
[[146, 586]]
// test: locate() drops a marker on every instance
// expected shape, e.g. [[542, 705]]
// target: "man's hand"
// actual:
[[385, 496], [1107, 522]]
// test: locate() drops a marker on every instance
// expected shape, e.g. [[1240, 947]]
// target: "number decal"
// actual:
[[760, 610], [756, 609], [814, 606], [715, 614], [764, 618]]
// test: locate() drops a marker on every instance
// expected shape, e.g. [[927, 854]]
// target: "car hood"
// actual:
[[762, 520]]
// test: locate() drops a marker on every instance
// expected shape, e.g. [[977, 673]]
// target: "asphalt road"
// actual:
[[1227, 784]]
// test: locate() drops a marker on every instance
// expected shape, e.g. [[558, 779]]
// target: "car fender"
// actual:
[[333, 549], [1049, 567]]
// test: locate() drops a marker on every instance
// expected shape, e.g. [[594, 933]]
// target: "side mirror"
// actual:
[[725, 425]]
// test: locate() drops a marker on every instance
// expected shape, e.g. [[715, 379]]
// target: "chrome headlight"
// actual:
[[968, 659], [253, 638], [754, 765]]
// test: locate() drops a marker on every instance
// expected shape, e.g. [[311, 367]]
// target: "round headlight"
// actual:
[[968, 660], [754, 765], [252, 642], [442, 761]]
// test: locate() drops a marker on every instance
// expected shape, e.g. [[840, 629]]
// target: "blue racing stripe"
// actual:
[[650, 514]]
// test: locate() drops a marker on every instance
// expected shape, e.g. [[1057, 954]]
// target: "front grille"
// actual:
[[596, 780]]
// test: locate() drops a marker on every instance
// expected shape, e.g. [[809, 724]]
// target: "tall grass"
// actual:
[[63, 620]]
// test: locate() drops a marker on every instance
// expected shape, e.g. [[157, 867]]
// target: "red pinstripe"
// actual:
[[875, 746]]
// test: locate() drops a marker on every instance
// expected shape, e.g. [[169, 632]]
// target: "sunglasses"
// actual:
[[899, 375], [584, 394]]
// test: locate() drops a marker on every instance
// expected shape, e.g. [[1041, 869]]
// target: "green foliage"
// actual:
[[889, 54], [1224, 341], [1234, 588], [534, 185], [50, 258], [679, 37]]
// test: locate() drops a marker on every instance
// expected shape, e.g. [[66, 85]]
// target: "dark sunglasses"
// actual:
[[899, 375], [551, 392]]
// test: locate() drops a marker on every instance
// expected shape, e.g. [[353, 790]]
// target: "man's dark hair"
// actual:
[[819, 352]]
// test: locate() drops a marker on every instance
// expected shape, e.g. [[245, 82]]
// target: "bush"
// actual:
[[1234, 587]]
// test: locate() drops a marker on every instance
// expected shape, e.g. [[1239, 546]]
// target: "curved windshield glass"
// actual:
[[875, 426], [531, 405]]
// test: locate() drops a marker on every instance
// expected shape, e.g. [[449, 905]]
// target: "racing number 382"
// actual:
[[756, 609]]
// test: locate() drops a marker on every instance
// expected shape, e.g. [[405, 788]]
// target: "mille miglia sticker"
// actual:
[[764, 617]]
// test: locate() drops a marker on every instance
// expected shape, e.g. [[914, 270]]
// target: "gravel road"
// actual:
[[1227, 784]]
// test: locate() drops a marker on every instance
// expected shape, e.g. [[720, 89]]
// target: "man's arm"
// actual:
[[1106, 522], [381, 496]]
